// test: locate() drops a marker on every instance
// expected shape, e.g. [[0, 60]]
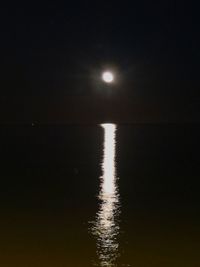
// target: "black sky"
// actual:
[[53, 53]]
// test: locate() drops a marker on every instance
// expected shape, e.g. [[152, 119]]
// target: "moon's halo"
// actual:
[[108, 77]]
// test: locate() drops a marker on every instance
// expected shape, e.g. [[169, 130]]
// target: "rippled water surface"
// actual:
[[100, 195], [106, 226]]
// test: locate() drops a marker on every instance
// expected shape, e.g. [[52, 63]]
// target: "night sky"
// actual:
[[53, 53]]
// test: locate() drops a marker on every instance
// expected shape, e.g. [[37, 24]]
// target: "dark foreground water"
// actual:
[[110, 195]]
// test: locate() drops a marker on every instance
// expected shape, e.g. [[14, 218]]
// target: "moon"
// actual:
[[108, 77]]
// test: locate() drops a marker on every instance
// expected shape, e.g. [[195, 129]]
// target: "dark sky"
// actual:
[[53, 54]]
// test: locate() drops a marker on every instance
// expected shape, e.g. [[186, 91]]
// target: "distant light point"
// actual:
[[108, 77]]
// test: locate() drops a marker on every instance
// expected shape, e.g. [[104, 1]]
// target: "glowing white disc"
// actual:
[[108, 77]]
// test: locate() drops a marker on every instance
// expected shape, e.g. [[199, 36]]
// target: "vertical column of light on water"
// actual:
[[106, 228]]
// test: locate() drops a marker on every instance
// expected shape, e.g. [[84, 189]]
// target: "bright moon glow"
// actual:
[[108, 77], [106, 227]]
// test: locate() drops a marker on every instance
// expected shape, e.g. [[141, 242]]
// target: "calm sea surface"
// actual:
[[104, 195]]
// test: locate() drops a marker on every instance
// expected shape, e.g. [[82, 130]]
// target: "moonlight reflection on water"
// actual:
[[106, 227]]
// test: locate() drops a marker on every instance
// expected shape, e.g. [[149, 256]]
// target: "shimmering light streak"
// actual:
[[106, 227]]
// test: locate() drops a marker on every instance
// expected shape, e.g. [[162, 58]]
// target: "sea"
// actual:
[[107, 195]]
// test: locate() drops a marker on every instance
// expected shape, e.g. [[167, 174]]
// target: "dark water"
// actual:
[[68, 199]]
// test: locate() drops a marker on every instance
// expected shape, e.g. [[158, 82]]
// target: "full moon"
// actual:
[[108, 77]]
